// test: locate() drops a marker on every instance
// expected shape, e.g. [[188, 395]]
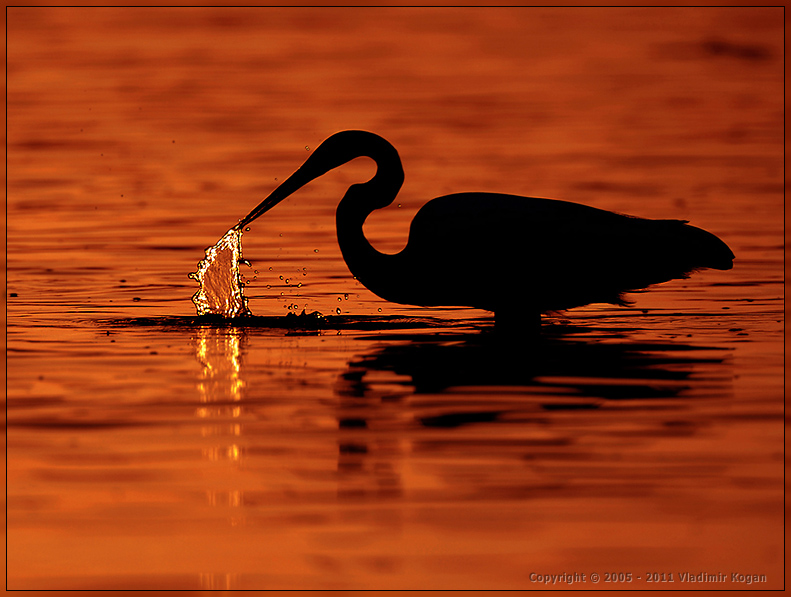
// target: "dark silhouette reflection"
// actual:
[[516, 256], [564, 362], [366, 466], [552, 417]]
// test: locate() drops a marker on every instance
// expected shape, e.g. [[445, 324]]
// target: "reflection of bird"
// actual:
[[516, 256]]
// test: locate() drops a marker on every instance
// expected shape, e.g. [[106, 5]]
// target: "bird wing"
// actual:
[[548, 254]]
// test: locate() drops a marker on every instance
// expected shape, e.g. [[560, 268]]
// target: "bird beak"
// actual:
[[289, 186], [331, 153]]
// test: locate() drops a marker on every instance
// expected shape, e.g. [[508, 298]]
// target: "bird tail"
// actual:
[[708, 250]]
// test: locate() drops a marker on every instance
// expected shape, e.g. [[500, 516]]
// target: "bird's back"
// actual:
[[544, 254]]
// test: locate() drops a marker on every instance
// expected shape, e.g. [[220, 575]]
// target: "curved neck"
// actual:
[[360, 200], [363, 260]]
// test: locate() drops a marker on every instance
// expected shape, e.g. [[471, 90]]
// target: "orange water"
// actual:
[[401, 448]]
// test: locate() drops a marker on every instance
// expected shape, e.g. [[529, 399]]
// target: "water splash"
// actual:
[[221, 289]]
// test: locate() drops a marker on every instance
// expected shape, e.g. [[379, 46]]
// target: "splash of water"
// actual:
[[221, 289]]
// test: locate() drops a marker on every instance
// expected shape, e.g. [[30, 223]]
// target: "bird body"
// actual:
[[516, 256]]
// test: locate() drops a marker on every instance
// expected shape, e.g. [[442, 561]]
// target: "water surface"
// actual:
[[390, 446]]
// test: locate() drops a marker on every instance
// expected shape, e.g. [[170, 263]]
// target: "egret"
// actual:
[[515, 256]]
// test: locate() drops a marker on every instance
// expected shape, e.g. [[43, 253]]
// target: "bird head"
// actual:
[[336, 150]]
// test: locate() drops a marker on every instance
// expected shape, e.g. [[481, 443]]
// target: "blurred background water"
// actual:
[[402, 447]]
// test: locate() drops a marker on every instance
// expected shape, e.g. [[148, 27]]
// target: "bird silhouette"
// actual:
[[516, 256]]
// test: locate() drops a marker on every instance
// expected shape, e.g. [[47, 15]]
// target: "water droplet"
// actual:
[[315, 250], [270, 269], [247, 229], [380, 309], [346, 296], [281, 277], [255, 270], [307, 148], [276, 178], [299, 285], [286, 280], [269, 286], [338, 310], [281, 234], [399, 205]]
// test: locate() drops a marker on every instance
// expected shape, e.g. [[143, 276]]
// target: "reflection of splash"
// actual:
[[221, 289], [219, 351], [216, 582]]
